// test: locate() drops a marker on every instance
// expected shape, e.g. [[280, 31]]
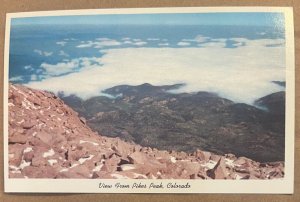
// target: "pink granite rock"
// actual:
[[47, 139]]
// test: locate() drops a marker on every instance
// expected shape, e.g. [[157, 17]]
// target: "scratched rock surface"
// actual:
[[47, 139]]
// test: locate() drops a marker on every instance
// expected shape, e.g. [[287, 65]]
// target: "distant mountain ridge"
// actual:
[[151, 116]]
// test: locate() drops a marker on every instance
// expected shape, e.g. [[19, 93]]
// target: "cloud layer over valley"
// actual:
[[242, 74]]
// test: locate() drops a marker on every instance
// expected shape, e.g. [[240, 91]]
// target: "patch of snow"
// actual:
[[97, 168], [22, 121], [173, 159], [84, 141], [11, 104], [238, 177], [118, 176], [82, 160], [24, 164], [22, 93], [127, 167], [229, 162], [64, 170], [210, 164], [52, 161], [28, 149], [74, 165], [49, 153], [27, 104], [135, 175], [15, 171], [14, 167], [13, 87]]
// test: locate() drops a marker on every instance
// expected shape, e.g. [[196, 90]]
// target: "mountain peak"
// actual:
[[47, 139]]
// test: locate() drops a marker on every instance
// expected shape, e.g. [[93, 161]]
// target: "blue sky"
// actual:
[[260, 19]]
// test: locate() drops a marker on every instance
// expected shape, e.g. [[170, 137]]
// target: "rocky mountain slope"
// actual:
[[47, 139], [152, 116]]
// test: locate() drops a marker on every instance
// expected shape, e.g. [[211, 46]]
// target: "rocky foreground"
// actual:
[[47, 139]]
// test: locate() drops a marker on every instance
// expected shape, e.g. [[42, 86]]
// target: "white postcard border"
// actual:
[[278, 186]]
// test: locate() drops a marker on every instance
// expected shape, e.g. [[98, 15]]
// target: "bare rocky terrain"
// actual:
[[47, 139]]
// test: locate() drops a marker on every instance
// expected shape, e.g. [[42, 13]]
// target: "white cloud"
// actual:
[[220, 40], [38, 71], [68, 66], [28, 67], [241, 74], [59, 68], [84, 44], [163, 44], [104, 43], [201, 39], [127, 42], [153, 39], [260, 42], [198, 39], [125, 39], [70, 39], [33, 77], [38, 51], [189, 40], [16, 78], [43, 53], [47, 53], [103, 39], [100, 43], [61, 43], [63, 53], [139, 43], [213, 44], [182, 43], [262, 33]]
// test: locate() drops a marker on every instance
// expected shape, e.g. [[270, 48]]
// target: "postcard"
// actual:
[[155, 100]]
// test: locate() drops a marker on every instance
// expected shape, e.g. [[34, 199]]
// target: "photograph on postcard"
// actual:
[[198, 96]]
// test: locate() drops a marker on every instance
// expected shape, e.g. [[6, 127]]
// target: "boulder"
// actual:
[[219, 171], [137, 158], [17, 138], [79, 171], [40, 172]]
